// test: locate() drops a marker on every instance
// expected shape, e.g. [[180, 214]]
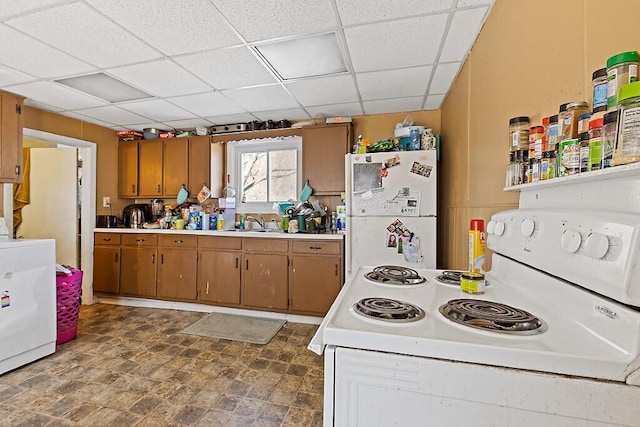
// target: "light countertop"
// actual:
[[226, 233]]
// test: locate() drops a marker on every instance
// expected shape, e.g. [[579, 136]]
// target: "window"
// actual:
[[264, 171]]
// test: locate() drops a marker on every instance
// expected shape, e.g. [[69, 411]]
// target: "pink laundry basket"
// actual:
[[68, 292]]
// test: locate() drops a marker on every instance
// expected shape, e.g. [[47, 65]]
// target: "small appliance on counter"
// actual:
[[107, 221], [135, 215], [157, 209]]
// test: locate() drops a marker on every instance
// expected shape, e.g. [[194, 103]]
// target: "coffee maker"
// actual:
[[157, 209]]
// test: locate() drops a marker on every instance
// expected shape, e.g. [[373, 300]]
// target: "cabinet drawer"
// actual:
[[265, 245], [316, 247], [107, 239], [219, 242], [140, 239], [178, 241]]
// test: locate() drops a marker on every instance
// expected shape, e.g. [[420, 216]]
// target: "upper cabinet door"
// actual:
[[199, 164], [176, 165], [10, 137], [150, 164], [128, 169], [323, 151]]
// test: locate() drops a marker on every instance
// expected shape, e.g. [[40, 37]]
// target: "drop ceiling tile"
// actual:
[[361, 11], [462, 33], [393, 105], [188, 124], [87, 119], [405, 43], [161, 78], [31, 56], [469, 3], [69, 27], [326, 90], [141, 126], [113, 114], [207, 104], [288, 114], [264, 98], [157, 109], [41, 105], [227, 68], [11, 7], [434, 102], [278, 18], [443, 77], [12, 77], [54, 94], [394, 83], [349, 109], [232, 118], [173, 27]]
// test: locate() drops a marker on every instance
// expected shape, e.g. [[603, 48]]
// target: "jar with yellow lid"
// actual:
[[472, 282]]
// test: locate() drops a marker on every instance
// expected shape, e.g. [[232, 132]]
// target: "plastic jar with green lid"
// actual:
[[622, 69], [628, 145]]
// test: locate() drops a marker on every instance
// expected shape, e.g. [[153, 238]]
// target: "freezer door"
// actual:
[[393, 183], [374, 241]]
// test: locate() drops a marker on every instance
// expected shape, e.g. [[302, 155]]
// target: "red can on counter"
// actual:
[[476, 244]]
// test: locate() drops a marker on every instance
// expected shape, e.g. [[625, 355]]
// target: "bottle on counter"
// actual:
[[476, 245]]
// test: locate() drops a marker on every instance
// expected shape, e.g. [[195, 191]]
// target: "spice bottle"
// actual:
[[535, 142], [569, 119], [584, 152], [599, 82], [622, 69], [544, 166], [595, 143], [476, 244], [569, 157], [553, 164], [583, 123], [628, 144], [552, 139], [609, 137], [519, 133], [523, 157]]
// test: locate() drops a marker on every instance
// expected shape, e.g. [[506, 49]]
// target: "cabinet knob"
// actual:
[[315, 248], [108, 239], [237, 262], [336, 272], [246, 264], [139, 240], [178, 241], [153, 258], [133, 188], [159, 189]]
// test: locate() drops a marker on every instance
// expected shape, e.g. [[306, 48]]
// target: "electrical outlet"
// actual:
[[106, 202]]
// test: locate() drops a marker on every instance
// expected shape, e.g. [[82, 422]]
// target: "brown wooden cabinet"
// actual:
[[150, 168], [106, 263], [10, 137], [219, 270], [175, 168], [127, 168], [178, 266], [323, 151], [265, 273], [138, 270], [316, 275]]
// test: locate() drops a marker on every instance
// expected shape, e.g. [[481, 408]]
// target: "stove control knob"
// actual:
[[596, 245], [526, 227], [491, 227], [499, 231], [570, 241]]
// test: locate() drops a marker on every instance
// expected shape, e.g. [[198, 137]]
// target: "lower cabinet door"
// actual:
[[177, 273], [315, 283], [219, 277], [138, 271], [106, 269], [265, 281]]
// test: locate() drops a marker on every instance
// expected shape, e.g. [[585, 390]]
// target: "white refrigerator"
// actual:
[[391, 209]]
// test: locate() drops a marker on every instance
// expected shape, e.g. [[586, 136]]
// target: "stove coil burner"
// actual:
[[492, 316], [395, 275], [389, 310], [449, 277]]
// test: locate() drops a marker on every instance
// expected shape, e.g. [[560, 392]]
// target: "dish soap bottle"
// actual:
[[220, 221]]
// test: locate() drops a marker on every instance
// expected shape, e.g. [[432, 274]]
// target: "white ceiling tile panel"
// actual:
[[31, 56], [145, 125], [263, 98], [227, 68], [173, 27], [349, 109], [161, 78], [266, 19], [392, 105], [113, 114], [41, 105], [462, 33], [11, 77], [288, 114], [13, 7], [325, 90], [230, 119], [443, 77], [188, 124], [434, 102], [82, 32], [157, 109], [93, 120], [207, 104], [405, 43], [55, 94], [360, 11], [470, 3], [394, 83]]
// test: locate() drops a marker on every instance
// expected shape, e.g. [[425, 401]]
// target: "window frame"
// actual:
[[235, 149]]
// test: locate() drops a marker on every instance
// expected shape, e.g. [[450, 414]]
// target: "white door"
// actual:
[[53, 209], [374, 241]]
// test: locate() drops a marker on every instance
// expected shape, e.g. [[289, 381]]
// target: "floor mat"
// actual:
[[255, 330]]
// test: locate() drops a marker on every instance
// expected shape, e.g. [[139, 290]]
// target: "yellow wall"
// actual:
[[518, 66]]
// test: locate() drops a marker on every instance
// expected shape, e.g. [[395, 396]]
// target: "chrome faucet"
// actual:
[[259, 221]]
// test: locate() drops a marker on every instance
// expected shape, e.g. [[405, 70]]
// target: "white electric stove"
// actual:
[[554, 339]]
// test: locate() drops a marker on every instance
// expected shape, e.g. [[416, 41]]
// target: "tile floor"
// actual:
[[132, 367]]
